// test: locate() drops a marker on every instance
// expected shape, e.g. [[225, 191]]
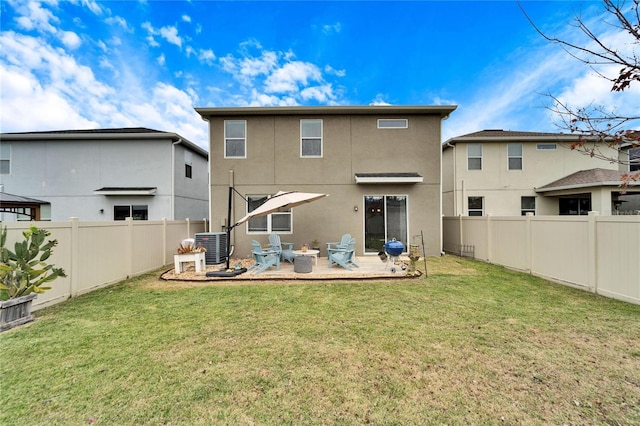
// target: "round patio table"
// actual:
[[309, 252]]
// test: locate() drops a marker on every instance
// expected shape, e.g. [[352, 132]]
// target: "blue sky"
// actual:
[[79, 64]]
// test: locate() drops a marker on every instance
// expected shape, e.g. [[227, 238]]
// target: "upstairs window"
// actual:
[[235, 139], [546, 146], [280, 222], [514, 151], [393, 123], [311, 138], [527, 205], [634, 159], [188, 164], [5, 159], [474, 156]]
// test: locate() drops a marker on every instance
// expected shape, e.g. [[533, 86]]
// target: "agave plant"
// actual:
[[24, 270]]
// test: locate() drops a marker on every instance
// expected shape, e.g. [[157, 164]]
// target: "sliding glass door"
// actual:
[[385, 218]]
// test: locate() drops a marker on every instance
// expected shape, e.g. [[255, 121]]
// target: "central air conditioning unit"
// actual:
[[216, 245]]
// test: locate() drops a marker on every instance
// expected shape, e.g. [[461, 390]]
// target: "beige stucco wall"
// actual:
[[501, 188], [351, 144]]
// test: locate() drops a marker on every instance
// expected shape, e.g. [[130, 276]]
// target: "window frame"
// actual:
[[475, 210], [546, 146], [5, 158], [304, 138], [132, 208], [269, 228], [524, 210], [228, 139], [400, 121], [634, 159], [188, 164], [474, 157], [515, 157]]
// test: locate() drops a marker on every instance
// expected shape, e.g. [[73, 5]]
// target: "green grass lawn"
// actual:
[[471, 344]]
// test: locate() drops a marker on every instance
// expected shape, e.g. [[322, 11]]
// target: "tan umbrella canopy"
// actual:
[[282, 201]]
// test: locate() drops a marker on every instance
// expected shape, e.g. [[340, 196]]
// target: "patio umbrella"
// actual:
[[282, 201]]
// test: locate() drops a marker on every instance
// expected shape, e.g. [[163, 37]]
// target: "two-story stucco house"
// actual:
[[380, 166], [104, 174], [509, 173]]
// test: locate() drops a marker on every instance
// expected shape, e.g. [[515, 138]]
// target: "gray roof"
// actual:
[[138, 133], [442, 110], [11, 199], [586, 179], [498, 135]]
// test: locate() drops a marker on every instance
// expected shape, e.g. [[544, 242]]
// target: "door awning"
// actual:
[[126, 191], [389, 178]]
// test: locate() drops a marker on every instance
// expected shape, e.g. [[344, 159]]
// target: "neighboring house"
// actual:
[[380, 166], [104, 174], [509, 173]]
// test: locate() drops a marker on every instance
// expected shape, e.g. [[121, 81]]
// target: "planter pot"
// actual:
[[15, 312]]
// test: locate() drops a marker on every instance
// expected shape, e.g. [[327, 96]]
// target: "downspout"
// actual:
[[455, 179], [173, 179]]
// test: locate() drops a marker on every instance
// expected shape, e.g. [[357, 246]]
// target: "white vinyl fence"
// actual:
[[596, 253], [96, 254]]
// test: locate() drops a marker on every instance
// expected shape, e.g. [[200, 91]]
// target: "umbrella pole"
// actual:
[[229, 225]]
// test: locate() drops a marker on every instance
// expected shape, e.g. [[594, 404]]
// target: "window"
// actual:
[[476, 206], [474, 156], [274, 222], [514, 151], [135, 212], [546, 146], [235, 139], [634, 159], [188, 164], [311, 138], [5, 159], [393, 123], [527, 205], [578, 205]]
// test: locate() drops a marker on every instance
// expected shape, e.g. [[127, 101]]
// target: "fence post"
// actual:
[[461, 240], [129, 246], [164, 240], [74, 275], [488, 230], [528, 241], [592, 251]]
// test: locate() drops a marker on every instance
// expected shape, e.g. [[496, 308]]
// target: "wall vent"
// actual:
[[216, 245]]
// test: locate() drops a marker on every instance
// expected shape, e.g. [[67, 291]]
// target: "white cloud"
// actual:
[[34, 16], [332, 28], [45, 88], [291, 76], [186, 18], [70, 39], [119, 21], [206, 56], [93, 6], [161, 60], [171, 35]]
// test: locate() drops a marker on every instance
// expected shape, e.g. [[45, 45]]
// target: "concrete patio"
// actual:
[[370, 267]]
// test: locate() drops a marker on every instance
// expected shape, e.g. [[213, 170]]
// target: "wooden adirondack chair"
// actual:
[[344, 241], [285, 250], [264, 259], [342, 254]]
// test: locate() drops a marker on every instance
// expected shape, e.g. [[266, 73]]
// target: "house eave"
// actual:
[[442, 110], [126, 191]]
